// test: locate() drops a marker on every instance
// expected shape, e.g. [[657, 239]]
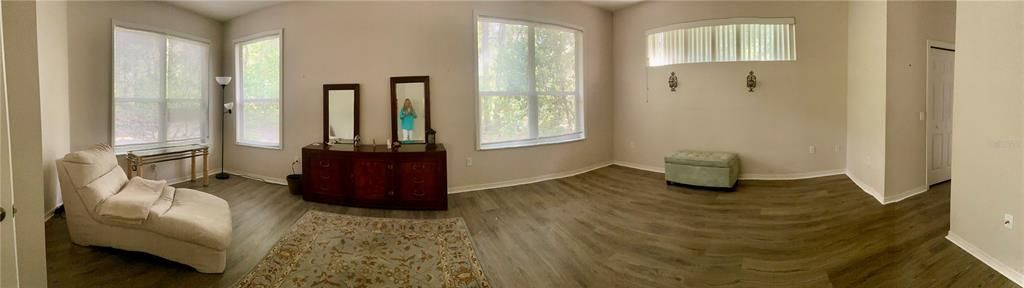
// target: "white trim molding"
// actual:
[[793, 176], [1013, 274], [271, 180], [745, 176], [529, 180], [889, 199], [867, 188], [638, 166]]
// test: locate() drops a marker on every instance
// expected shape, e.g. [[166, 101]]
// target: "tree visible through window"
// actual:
[[529, 83], [160, 90], [259, 97]]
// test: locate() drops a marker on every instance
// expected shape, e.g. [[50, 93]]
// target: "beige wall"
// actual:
[[22, 84], [52, 28], [865, 96], [797, 104], [987, 123], [910, 25], [90, 30], [366, 43]]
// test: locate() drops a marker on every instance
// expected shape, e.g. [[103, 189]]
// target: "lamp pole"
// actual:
[[223, 81]]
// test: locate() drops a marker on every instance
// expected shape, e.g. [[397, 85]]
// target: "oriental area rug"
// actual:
[[333, 250]]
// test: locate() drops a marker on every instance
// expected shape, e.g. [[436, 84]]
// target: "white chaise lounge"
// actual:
[[183, 225]]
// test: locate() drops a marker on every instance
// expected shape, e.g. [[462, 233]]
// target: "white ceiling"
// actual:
[[611, 5], [224, 10]]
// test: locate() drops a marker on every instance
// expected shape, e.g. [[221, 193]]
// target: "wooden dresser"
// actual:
[[413, 177]]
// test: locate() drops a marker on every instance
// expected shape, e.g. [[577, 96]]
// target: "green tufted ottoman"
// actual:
[[708, 169]]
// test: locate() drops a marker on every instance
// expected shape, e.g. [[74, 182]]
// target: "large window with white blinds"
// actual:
[[161, 89], [723, 40], [258, 66], [530, 84]]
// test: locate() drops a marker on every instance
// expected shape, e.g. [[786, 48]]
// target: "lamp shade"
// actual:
[[223, 80]]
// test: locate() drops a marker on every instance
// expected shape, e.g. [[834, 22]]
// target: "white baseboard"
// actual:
[[268, 179], [271, 180], [1013, 274], [867, 188], [523, 181], [905, 194], [656, 169], [746, 176], [792, 176], [49, 214]]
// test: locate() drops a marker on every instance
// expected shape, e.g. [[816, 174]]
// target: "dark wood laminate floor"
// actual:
[[613, 227]]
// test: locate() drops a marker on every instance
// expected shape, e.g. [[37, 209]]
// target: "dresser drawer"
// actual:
[[418, 181], [411, 177]]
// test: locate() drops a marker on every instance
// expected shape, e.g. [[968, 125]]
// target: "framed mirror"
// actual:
[[341, 113], [410, 109]]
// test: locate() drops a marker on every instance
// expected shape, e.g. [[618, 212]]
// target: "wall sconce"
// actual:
[[673, 82], [751, 82]]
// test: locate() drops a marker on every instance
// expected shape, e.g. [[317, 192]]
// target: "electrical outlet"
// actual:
[[812, 149], [632, 145], [835, 148], [920, 116], [1007, 221], [469, 161]]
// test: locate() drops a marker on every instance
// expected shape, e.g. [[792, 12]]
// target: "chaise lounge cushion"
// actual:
[[182, 225], [195, 217], [131, 205]]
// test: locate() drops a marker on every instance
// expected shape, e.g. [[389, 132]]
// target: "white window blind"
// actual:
[[723, 40], [529, 83], [258, 64], [161, 90]]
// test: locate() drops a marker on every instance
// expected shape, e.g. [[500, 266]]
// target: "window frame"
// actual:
[[204, 137], [722, 22], [238, 43], [533, 110]]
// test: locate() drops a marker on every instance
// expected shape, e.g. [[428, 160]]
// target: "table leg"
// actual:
[[140, 167], [206, 169], [193, 166]]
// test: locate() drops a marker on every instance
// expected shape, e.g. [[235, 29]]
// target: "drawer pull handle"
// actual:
[[391, 193], [325, 163]]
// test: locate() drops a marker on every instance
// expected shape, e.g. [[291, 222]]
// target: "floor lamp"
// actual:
[[223, 81]]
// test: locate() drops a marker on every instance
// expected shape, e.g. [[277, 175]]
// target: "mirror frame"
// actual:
[[355, 124], [394, 103]]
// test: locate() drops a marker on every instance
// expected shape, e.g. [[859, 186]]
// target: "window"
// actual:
[[724, 40], [530, 91], [161, 90], [258, 66]]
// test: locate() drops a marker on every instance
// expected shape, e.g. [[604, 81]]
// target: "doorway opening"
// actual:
[[939, 112]]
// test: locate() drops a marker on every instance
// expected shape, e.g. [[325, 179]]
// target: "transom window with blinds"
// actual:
[[723, 40], [160, 89]]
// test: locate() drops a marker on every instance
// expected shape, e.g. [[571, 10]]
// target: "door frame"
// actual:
[[929, 45]]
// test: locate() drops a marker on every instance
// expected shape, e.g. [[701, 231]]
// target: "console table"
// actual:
[[413, 176], [137, 158]]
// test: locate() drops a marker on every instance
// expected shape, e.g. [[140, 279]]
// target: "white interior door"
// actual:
[[940, 114], [8, 248]]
